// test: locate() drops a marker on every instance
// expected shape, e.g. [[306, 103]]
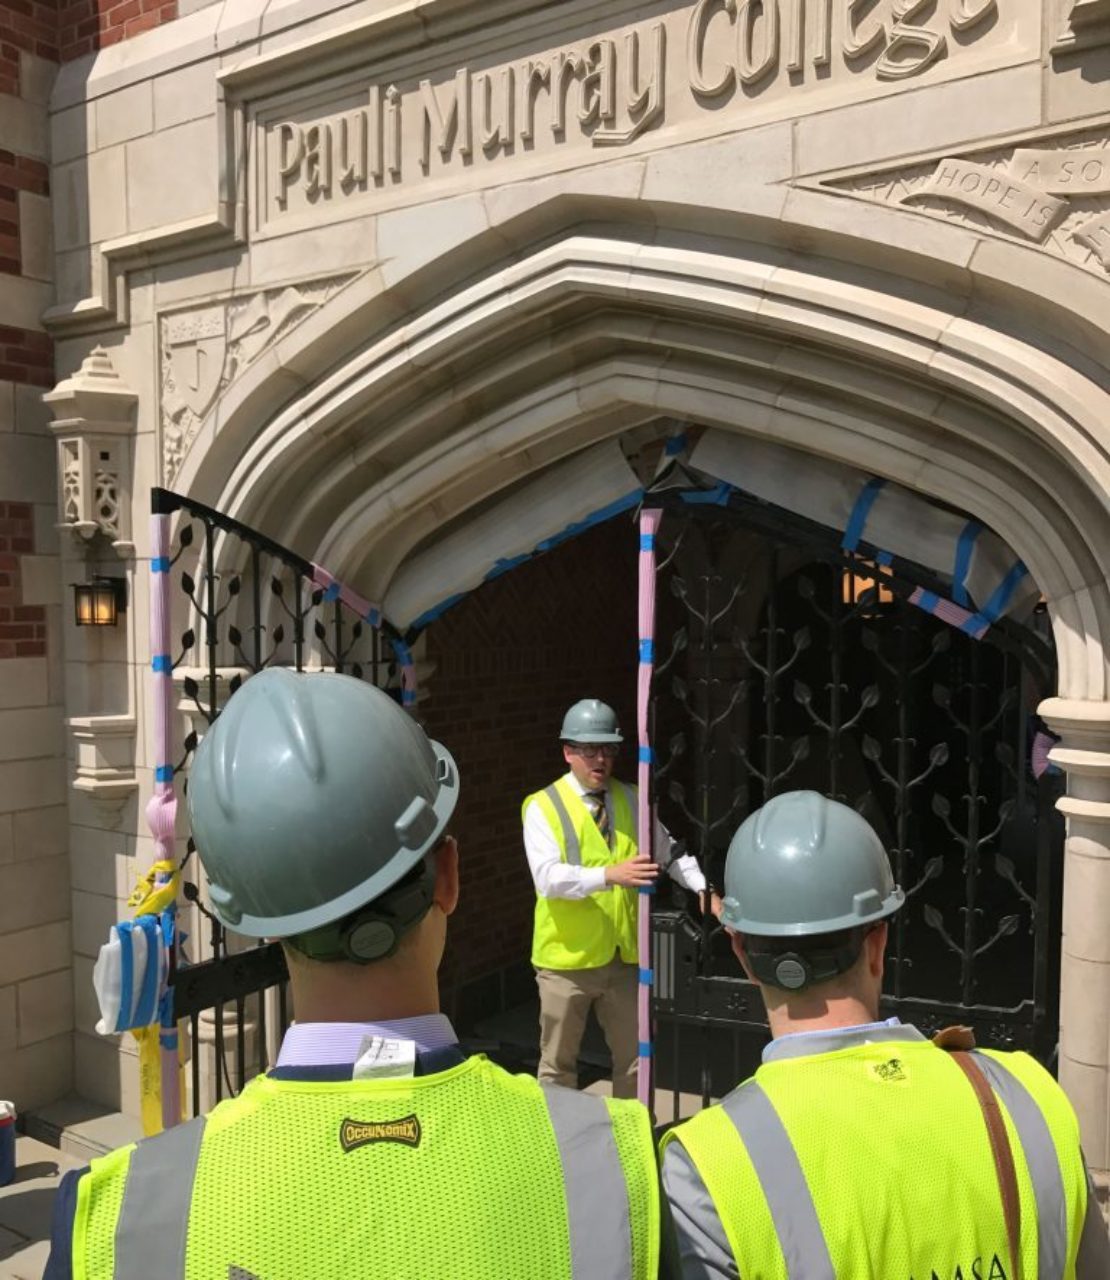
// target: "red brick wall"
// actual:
[[509, 661], [30, 26], [65, 29], [86, 25]]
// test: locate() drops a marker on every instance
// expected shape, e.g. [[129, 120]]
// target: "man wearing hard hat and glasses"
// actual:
[[860, 1148], [581, 842], [375, 1147]]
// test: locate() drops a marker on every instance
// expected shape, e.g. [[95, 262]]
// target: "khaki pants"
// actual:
[[565, 999]]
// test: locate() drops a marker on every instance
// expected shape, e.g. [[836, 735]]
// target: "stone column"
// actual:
[[1084, 752]]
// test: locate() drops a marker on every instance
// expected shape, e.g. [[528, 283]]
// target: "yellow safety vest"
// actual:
[[874, 1162], [585, 933], [466, 1174]]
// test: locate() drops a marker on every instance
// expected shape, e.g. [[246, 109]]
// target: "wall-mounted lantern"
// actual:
[[100, 602]]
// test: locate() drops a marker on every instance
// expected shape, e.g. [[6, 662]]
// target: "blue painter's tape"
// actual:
[[164, 773], [374, 617], [964, 547], [675, 445], [430, 615], [146, 1010], [126, 975], [408, 697], [168, 1040], [644, 1049], [332, 592], [160, 564], [857, 521], [646, 755], [599, 516], [647, 976], [162, 663], [647, 541], [503, 566], [614, 508], [717, 496], [885, 558], [647, 889], [928, 601], [647, 650], [402, 652]]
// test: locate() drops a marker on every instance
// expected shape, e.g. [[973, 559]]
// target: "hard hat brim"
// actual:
[[588, 738], [740, 923], [374, 886]]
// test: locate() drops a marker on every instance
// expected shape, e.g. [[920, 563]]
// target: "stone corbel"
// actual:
[[105, 751], [1087, 26], [94, 422]]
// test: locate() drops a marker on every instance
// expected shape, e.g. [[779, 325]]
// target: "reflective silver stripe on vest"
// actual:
[[570, 835], [597, 1195], [784, 1184], [1043, 1164], [153, 1226]]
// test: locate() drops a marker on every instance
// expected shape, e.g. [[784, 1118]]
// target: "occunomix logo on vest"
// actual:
[[361, 1133]]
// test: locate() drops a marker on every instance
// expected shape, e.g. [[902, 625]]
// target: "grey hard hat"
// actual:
[[802, 865], [590, 721], [311, 796]]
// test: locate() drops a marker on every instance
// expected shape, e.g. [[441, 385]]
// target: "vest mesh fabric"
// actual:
[[904, 1183], [642, 1182], [585, 933], [99, 1247], [278, 1195]]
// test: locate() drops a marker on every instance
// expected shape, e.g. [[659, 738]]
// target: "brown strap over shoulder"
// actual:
[[957, 1041]]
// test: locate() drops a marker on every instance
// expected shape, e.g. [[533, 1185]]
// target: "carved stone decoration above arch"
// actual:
[[1051, 192], [204, 350]]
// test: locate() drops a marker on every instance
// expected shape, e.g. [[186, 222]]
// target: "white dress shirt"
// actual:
[[555, 878]]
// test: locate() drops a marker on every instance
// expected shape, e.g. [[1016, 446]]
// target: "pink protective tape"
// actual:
[[645, 826]]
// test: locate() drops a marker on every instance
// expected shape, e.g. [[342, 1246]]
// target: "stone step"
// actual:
[[80, 1128]]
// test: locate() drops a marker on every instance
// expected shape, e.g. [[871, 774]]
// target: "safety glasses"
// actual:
[[594, 751]]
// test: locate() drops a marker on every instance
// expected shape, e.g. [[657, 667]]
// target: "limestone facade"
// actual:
[[346, 269]]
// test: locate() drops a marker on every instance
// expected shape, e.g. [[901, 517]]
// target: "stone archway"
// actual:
[[417, 393]]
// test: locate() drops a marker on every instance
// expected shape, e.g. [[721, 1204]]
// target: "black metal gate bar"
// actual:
[[237, 631], [785, 649]]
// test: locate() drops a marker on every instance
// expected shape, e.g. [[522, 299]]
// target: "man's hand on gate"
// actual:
[[633, 873]]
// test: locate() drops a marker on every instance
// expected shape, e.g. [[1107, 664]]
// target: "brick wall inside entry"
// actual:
[[509, 660]]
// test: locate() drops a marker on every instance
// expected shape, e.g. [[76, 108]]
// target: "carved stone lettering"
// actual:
[[863, 35], [608, 89], [1010, 200], [1095, 235], [1065, 173], [965, 14], [912, 47], [758, 21], [704, 82], [1054, 193]]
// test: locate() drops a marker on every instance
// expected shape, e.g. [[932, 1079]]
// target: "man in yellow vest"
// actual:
[[860, 1148], [581, 843], [374, 1148]]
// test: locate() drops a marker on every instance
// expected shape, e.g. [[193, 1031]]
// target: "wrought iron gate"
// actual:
[[266, 610], [787, 663]]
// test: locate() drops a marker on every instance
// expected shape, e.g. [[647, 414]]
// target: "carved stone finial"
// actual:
[[94, 412]]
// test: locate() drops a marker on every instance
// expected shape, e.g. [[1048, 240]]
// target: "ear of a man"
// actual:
[[446, 895]]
